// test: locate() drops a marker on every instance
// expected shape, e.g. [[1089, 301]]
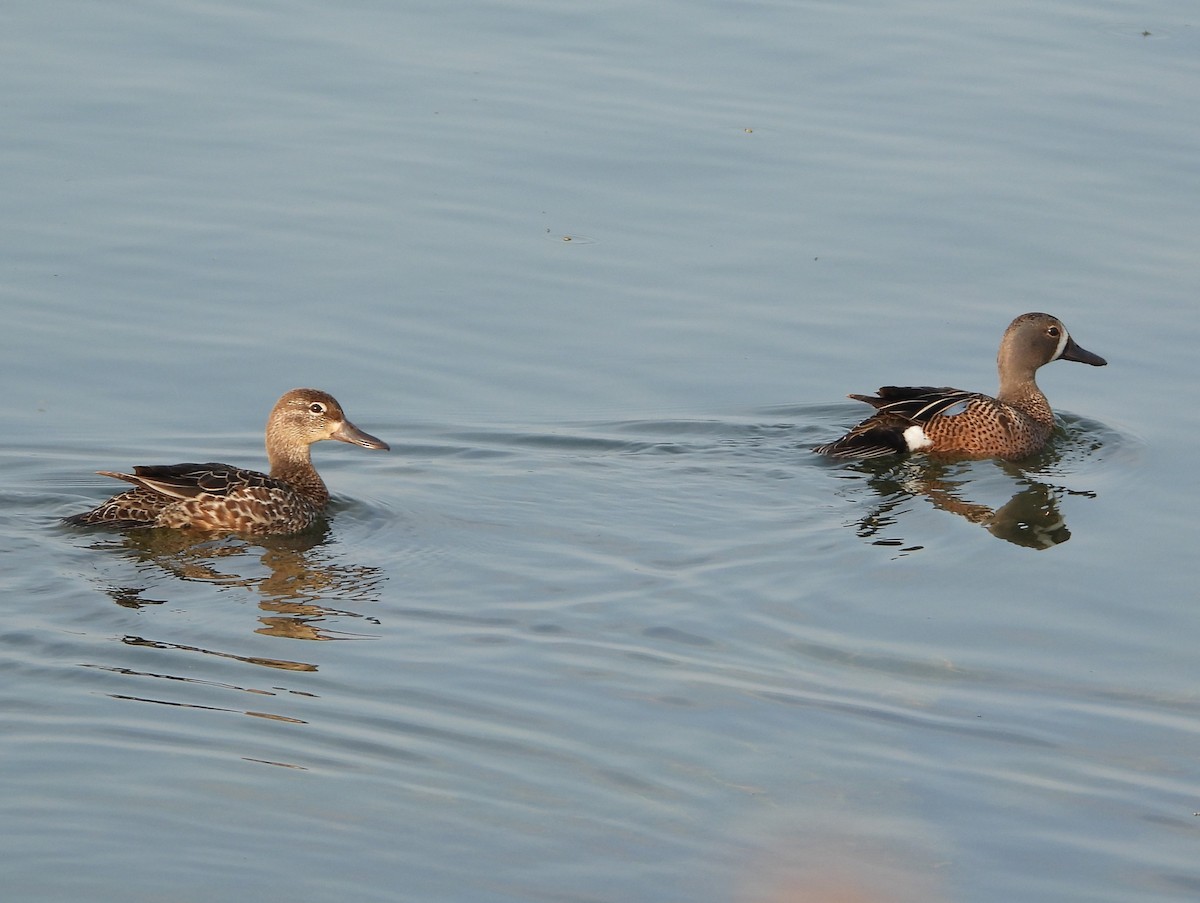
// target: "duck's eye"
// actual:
[[317, 408], [1053, 331]]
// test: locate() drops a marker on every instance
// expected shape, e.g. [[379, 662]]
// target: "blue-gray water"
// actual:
[[599, 627]]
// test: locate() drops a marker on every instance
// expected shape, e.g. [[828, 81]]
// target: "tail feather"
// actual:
[[875, 442]]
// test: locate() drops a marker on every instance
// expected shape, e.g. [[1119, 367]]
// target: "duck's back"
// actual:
[[209, 496]]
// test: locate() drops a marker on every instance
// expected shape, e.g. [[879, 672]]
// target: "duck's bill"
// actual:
[[1074, 353], [348, 432]]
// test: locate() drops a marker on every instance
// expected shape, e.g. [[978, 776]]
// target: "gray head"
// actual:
[[1032, 340]]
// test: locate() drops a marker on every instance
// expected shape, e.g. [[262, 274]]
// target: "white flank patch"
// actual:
[[916, 439]]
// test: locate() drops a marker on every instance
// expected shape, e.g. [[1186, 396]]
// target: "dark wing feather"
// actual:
[[184, 481], [896, 409], [915, 404], [866, 441]]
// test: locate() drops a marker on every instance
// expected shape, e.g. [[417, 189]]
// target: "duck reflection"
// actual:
[[1031, 517], [295, 576], [838, 852], [280, 663]]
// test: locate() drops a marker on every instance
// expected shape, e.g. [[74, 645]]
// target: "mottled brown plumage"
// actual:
[[953, 423], [216, 496]]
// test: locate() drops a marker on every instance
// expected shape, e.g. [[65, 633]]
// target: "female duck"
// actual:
[[291, 498]]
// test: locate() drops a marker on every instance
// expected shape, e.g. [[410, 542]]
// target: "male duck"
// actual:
[[944, 421], [221, 497]]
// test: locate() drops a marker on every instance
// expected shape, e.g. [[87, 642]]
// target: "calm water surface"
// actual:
[[599, 627]]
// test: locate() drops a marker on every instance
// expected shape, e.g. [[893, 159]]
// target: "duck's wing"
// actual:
[[917, 405], [185, 481], [897, 408]]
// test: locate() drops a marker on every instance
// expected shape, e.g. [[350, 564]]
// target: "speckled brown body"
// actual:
[[953, 423], [217, 496], [992, 429]]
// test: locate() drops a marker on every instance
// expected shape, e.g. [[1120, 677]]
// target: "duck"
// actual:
[[290, 498], [948, 422]]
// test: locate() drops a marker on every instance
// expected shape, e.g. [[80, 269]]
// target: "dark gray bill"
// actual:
[[1074, 353]]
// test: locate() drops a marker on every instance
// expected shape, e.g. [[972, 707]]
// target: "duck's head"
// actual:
[[1035, 339], [304, 416]]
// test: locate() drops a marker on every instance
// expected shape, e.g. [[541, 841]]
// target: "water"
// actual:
[[599, 627]]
